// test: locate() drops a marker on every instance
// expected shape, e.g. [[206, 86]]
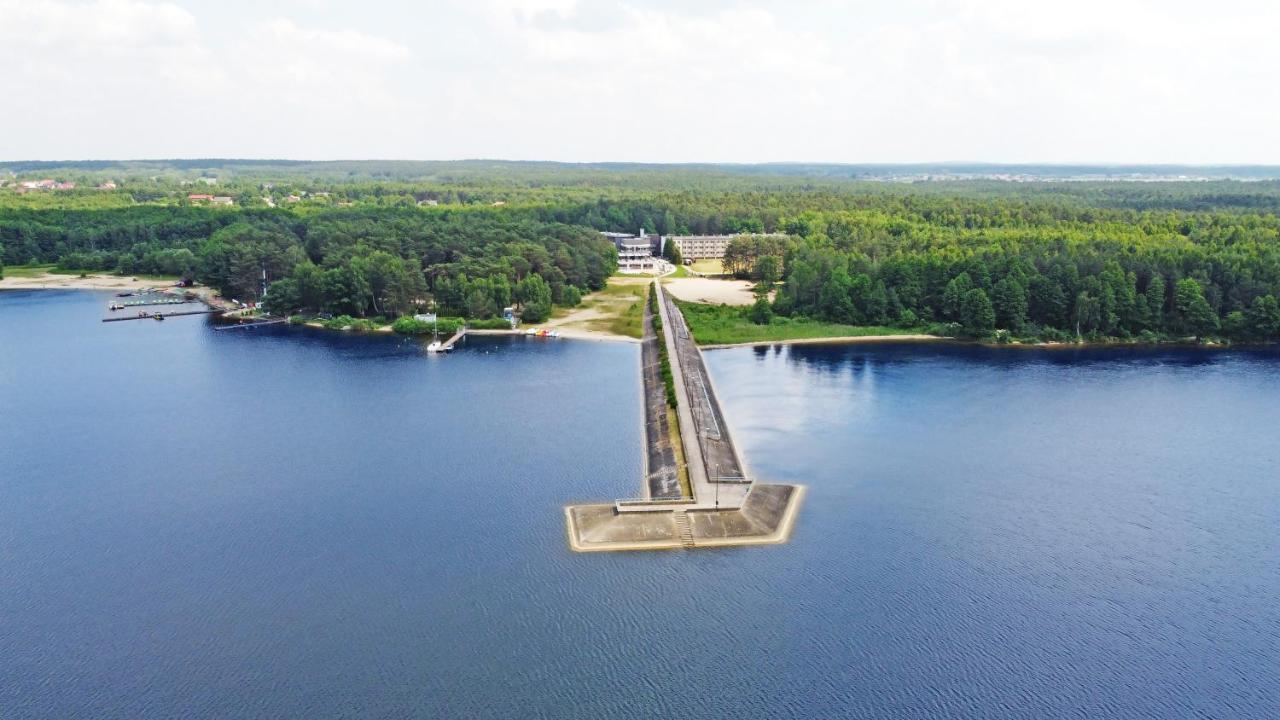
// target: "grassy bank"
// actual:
[[618, 309], [726, 325]]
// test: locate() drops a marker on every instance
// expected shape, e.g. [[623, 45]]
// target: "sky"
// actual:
[[855, 81]]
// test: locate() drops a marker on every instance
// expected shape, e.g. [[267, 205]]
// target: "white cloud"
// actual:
[[686, 80]]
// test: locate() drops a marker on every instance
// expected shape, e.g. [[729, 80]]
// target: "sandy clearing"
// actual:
[[51, 281], [710, 291]]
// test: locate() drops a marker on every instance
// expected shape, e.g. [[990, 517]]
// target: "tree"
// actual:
[[767, 271], [534, 296], [1194, 314], [671, 253], [976, 313], [1263, 317], [283, 297], [1010, 304], [760, 313], [1047, 303], [1155, 294], [953, 297]]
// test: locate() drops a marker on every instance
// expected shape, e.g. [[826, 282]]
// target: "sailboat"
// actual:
[[435, 346]]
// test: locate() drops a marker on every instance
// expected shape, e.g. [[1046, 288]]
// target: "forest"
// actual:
[[361, 262], [1044, 260]]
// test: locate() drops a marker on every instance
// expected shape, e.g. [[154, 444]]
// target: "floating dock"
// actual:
[[722, 506]]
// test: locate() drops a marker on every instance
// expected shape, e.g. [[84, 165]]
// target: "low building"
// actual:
[[197, 197], [701, 247], [222, 200]]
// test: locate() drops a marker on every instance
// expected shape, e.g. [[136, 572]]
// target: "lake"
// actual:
[[294, 523]]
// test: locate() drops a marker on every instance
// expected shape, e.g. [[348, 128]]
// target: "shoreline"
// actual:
[[49, 281], [834, 340], [114, 283], [564, 334], [927, 339]]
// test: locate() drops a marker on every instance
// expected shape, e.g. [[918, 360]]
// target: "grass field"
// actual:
[[725, 325], [708, 267], [30, 271]]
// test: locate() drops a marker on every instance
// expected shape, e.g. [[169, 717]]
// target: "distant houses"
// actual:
[[200, 198], [47, 185]]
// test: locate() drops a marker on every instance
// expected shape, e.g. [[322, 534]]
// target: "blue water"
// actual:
[[296, 523]]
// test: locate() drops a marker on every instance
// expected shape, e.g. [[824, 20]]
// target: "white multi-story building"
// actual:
[[701, 247], [636, 253]]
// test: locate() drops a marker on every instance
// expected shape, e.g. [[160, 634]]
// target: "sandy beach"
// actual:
[[53, 281]]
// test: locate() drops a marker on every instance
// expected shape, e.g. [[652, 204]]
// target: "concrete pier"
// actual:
[[725, 507]]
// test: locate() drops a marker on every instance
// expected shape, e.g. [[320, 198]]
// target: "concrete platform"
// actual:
[[765, 518]]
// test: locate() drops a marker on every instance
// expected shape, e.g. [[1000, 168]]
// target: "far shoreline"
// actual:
[[919, 339]]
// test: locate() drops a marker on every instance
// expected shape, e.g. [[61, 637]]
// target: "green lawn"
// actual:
[[723, 325], [29, 271], [708, 267]]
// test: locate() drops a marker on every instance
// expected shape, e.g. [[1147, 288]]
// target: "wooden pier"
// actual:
[[254, 324], [152, 316], [164, 301], [448, 344]]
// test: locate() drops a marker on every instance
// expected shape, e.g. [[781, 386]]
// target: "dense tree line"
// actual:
[[1054, 285], [359, 262], [1047, 260]]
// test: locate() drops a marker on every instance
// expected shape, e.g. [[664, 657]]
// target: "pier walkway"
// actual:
[[447, 345], [726, 507], [661, 472]]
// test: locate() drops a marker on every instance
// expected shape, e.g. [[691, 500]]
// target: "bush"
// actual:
[[572, 297], [760, 313], [490, 324], [341, 322], [297, 319], [407, 325]]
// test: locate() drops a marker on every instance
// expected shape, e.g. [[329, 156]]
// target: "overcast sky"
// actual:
[[643, 80]]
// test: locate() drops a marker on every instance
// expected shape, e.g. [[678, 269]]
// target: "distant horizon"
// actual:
[[674, 163]]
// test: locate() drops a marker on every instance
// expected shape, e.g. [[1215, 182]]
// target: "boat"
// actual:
[[125, 294], [115, 306], [158, 316], [531, 331], [435, 346]]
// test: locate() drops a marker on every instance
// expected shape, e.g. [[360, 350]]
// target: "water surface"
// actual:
[[302, 523]]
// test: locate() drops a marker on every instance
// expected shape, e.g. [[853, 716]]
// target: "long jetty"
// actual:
[[153, 316], [723, 506]]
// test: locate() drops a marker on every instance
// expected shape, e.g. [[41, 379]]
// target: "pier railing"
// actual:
[[641, 504]]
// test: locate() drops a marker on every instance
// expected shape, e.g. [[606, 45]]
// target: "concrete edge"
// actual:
[[780, 534]]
